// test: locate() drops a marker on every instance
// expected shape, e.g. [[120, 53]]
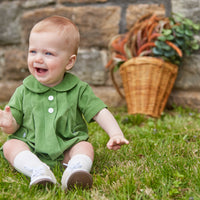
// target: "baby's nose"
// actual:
[[38, 58]]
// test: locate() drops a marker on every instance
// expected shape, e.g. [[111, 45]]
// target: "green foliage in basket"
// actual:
[[167, 38], [182, 34]]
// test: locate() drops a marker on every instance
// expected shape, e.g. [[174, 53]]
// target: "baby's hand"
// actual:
[[5, 117], [7, 122], [115, 142]]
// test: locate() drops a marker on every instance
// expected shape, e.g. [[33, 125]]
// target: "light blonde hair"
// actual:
[[64, 27]]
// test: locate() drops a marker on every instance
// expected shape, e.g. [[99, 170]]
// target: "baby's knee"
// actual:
[[87, 145], [8, 145], [14, 145], [82, 147]]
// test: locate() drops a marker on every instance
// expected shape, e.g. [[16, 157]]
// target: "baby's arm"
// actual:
[[8, 123], [106, 120]]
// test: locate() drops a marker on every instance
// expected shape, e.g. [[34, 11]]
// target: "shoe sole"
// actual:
[[43, 181], [81, 179]]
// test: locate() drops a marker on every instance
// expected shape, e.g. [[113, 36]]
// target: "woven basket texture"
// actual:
[[147, 83]]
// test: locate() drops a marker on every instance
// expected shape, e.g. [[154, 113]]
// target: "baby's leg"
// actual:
[[79, 161], [80, 148], [13, 147], [23, 160]]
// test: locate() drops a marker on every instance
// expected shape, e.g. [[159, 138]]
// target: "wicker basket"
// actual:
[[147, 83]]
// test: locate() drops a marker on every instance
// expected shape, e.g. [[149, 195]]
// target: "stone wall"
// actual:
[[186, 91], [98, 22]]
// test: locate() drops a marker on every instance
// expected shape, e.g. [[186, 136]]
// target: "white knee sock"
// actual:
[[25, 162], [80, 161]]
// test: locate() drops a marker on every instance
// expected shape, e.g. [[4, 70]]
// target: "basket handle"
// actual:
[[114, 81]]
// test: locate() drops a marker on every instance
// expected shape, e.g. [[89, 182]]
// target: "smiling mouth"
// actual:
[[40, 70]]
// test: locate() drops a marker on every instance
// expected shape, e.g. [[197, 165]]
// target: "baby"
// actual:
[[46, 116]]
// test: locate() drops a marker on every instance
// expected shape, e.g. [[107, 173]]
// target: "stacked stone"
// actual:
[[186, 91], [98, 22]]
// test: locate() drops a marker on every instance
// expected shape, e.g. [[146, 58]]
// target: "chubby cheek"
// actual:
[[30, 65], [29, 60]]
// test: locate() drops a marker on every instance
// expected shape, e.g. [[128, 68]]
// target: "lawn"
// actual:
[[161, 162]]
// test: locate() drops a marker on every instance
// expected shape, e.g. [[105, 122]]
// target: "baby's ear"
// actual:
[[71, 62]]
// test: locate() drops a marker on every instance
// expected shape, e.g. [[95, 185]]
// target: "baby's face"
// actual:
[[48, 57]]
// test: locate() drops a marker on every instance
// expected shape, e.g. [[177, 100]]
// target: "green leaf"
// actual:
[[177, 174], [159, 44], [177, 62], [188, 22], [179, 42], [169, 53], [162, 45], [157, 52], [196, 27], [177, 183], [170, 37], [179, 34], [166, 32], [162, 38], [188, 32], [187, 52], [127, 51], [173, 191], [117, 66], [177, 17], [195, 46], [180, 29]]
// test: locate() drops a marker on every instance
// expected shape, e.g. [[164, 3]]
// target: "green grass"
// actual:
[[161, 162]]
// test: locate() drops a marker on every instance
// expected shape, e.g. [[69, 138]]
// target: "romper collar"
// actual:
[[69, 81]]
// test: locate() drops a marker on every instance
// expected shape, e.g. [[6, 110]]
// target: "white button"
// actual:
[[50, 110], [50, 98]]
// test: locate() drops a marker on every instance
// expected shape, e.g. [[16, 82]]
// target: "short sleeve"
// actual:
[[89, 103], [15, 104]]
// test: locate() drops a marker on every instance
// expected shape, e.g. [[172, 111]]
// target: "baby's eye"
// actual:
[[48, 53], [32, 51]]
